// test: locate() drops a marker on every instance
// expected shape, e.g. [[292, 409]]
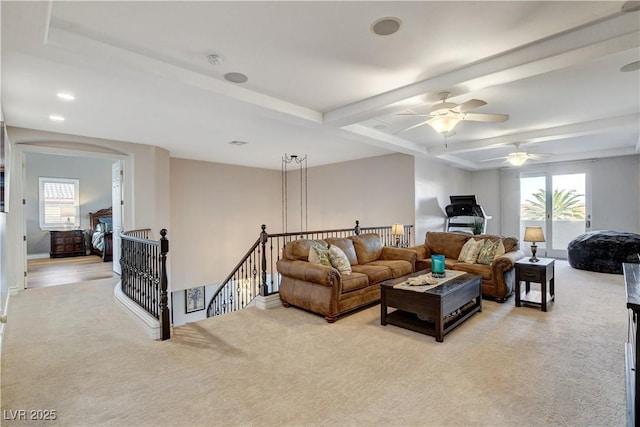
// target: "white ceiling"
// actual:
[[321, 83]]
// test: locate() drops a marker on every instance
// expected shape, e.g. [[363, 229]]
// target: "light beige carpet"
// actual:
[[70, 348]]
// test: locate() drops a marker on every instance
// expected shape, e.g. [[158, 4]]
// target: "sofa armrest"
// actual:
[[500, 271], [391, 253], [422, 251], [309, 272]]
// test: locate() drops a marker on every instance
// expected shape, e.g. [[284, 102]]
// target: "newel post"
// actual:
[[165, 332], [264, 289], [357, 229]]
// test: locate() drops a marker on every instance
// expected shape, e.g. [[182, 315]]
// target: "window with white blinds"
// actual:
[[59, 202]]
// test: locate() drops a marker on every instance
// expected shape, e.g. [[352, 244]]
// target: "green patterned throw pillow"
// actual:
[[319, 255], [488, 252], [339, 260]]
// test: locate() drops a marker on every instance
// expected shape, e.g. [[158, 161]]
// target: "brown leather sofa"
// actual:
[[498, 278], [324, 290]]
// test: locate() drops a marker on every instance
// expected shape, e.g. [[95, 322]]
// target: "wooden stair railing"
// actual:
[[143, 265], [256, 272]]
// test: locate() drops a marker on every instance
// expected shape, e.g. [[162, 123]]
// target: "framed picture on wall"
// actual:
[[194, 299]]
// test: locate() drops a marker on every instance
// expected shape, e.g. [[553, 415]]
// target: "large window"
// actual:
[[59, 202]]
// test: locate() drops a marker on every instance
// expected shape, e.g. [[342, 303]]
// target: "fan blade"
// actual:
[[540, 156], [413, 114], [479, 117], [469, 105], [494, 159], [412, 127]]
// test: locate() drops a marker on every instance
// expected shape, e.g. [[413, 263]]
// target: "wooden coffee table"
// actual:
[[435, 303]]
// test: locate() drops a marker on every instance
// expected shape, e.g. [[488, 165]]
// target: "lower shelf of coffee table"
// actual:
[[411, 321]]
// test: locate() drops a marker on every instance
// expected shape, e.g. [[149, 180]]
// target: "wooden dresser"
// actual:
[[67, 243]]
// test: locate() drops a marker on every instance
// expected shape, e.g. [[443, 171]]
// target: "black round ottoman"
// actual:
[[603, 251]]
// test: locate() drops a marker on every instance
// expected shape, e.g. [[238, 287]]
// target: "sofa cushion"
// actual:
[[398, 267], [470, 251], [447, 244], [299, 249], [347, 247], [479, 269], [339, 260], [511, 244], [354, 281], [375, 273], [500, 251], [368, 247]]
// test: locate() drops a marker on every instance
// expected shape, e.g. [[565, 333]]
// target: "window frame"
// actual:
[[41, 203]]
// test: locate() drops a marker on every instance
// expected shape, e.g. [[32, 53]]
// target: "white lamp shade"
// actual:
[[517, 158], [444, 124], [533, 234], [68, 211], [397, 229]]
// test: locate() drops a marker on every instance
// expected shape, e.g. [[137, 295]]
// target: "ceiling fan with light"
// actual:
[[444, 116], [519, 157]]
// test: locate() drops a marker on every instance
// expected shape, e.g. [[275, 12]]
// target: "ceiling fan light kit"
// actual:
[[517, 158], [444, 124], [446, 115]]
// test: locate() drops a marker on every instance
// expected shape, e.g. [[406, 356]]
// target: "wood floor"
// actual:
[[59, 271]]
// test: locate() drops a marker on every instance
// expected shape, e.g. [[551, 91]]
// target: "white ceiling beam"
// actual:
[[384, 140], [581, 44], [539, 135]]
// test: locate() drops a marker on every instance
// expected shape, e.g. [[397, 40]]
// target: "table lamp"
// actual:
[[397, 230], [68, 211], [533, 235]]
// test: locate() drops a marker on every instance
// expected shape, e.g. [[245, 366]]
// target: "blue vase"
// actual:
[[437, 266]]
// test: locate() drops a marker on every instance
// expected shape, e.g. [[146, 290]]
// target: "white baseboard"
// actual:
[[37, 256], [270, 301], [150, 324], [3, 325]]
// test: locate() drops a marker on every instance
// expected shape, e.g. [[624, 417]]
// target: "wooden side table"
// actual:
[[541, 272]]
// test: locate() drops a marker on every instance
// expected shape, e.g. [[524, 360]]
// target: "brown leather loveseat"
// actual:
[[324, 290], [498, 276]]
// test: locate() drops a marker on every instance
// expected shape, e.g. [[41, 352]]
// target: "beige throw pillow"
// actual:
[[339, 260], [501, 251], [470, 251]]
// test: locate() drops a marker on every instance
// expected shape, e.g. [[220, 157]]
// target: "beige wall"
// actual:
[[376, 191], [216, 214], [434, 183], [614, 184]]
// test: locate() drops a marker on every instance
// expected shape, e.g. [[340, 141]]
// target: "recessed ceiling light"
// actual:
[[56, 118], [214, 59], [386, 26], [236, 77], [238, 142], [633, 66], [65, 96]]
